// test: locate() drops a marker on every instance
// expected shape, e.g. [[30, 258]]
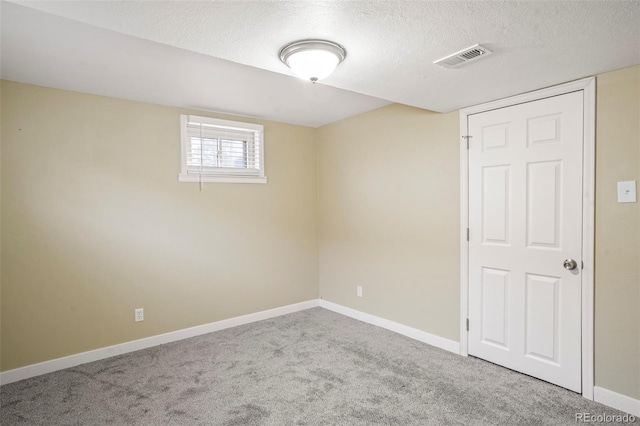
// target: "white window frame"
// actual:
[[223, 175]]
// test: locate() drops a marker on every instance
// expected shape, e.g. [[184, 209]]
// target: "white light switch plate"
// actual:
[[627, 191]]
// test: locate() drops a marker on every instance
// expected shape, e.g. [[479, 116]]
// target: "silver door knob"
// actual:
[[570, 264]]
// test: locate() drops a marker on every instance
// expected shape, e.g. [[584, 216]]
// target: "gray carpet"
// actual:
[[313, 367]]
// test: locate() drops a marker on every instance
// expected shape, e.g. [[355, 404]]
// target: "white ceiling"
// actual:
[[46, 50], [391, 47]]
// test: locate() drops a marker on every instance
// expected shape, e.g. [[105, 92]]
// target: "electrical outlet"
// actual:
[[139, 314], [359, 291]]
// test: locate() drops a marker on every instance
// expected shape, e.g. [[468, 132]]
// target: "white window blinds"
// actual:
[[221, 151]]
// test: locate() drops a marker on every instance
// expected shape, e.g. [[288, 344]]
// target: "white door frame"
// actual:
[[588, 86]]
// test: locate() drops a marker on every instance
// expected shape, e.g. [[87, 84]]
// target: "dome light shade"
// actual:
[[313, 65], [312, 60]]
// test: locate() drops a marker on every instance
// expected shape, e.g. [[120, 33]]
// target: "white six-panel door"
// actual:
[[525, 220]]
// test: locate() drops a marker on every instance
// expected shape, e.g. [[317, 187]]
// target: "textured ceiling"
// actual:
[[46, 50], [392, 44]]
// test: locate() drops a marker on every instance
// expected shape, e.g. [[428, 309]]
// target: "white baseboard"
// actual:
[[601, 395], [45, 367], [617, 400], [413, 333]]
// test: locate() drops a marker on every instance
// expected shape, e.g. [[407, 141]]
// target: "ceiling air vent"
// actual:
[[462, 57]]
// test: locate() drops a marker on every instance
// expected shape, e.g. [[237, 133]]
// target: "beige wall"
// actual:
[[617, 316], [95, 224], [389, 216], [389, 211]]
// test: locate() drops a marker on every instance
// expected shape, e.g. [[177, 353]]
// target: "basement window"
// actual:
[[214, 150]]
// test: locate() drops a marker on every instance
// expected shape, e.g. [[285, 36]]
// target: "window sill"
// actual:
[[221, 179]]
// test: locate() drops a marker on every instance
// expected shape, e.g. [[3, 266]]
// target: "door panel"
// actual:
[[543, 204], [495, 299], [525, 219], [495, 202], [541, 318]]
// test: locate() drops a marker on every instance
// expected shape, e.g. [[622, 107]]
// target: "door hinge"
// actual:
[[581, 264], [467, 324], [467, 139], [467, 234]]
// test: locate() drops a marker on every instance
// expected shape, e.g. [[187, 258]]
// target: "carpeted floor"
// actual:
[[313, 367]]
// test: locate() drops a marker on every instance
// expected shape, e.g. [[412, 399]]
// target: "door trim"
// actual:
[[588, 87]]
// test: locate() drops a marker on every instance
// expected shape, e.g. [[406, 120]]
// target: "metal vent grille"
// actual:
[[462, 57]]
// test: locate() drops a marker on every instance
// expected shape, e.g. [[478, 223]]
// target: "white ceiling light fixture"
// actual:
[[312, 60]]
